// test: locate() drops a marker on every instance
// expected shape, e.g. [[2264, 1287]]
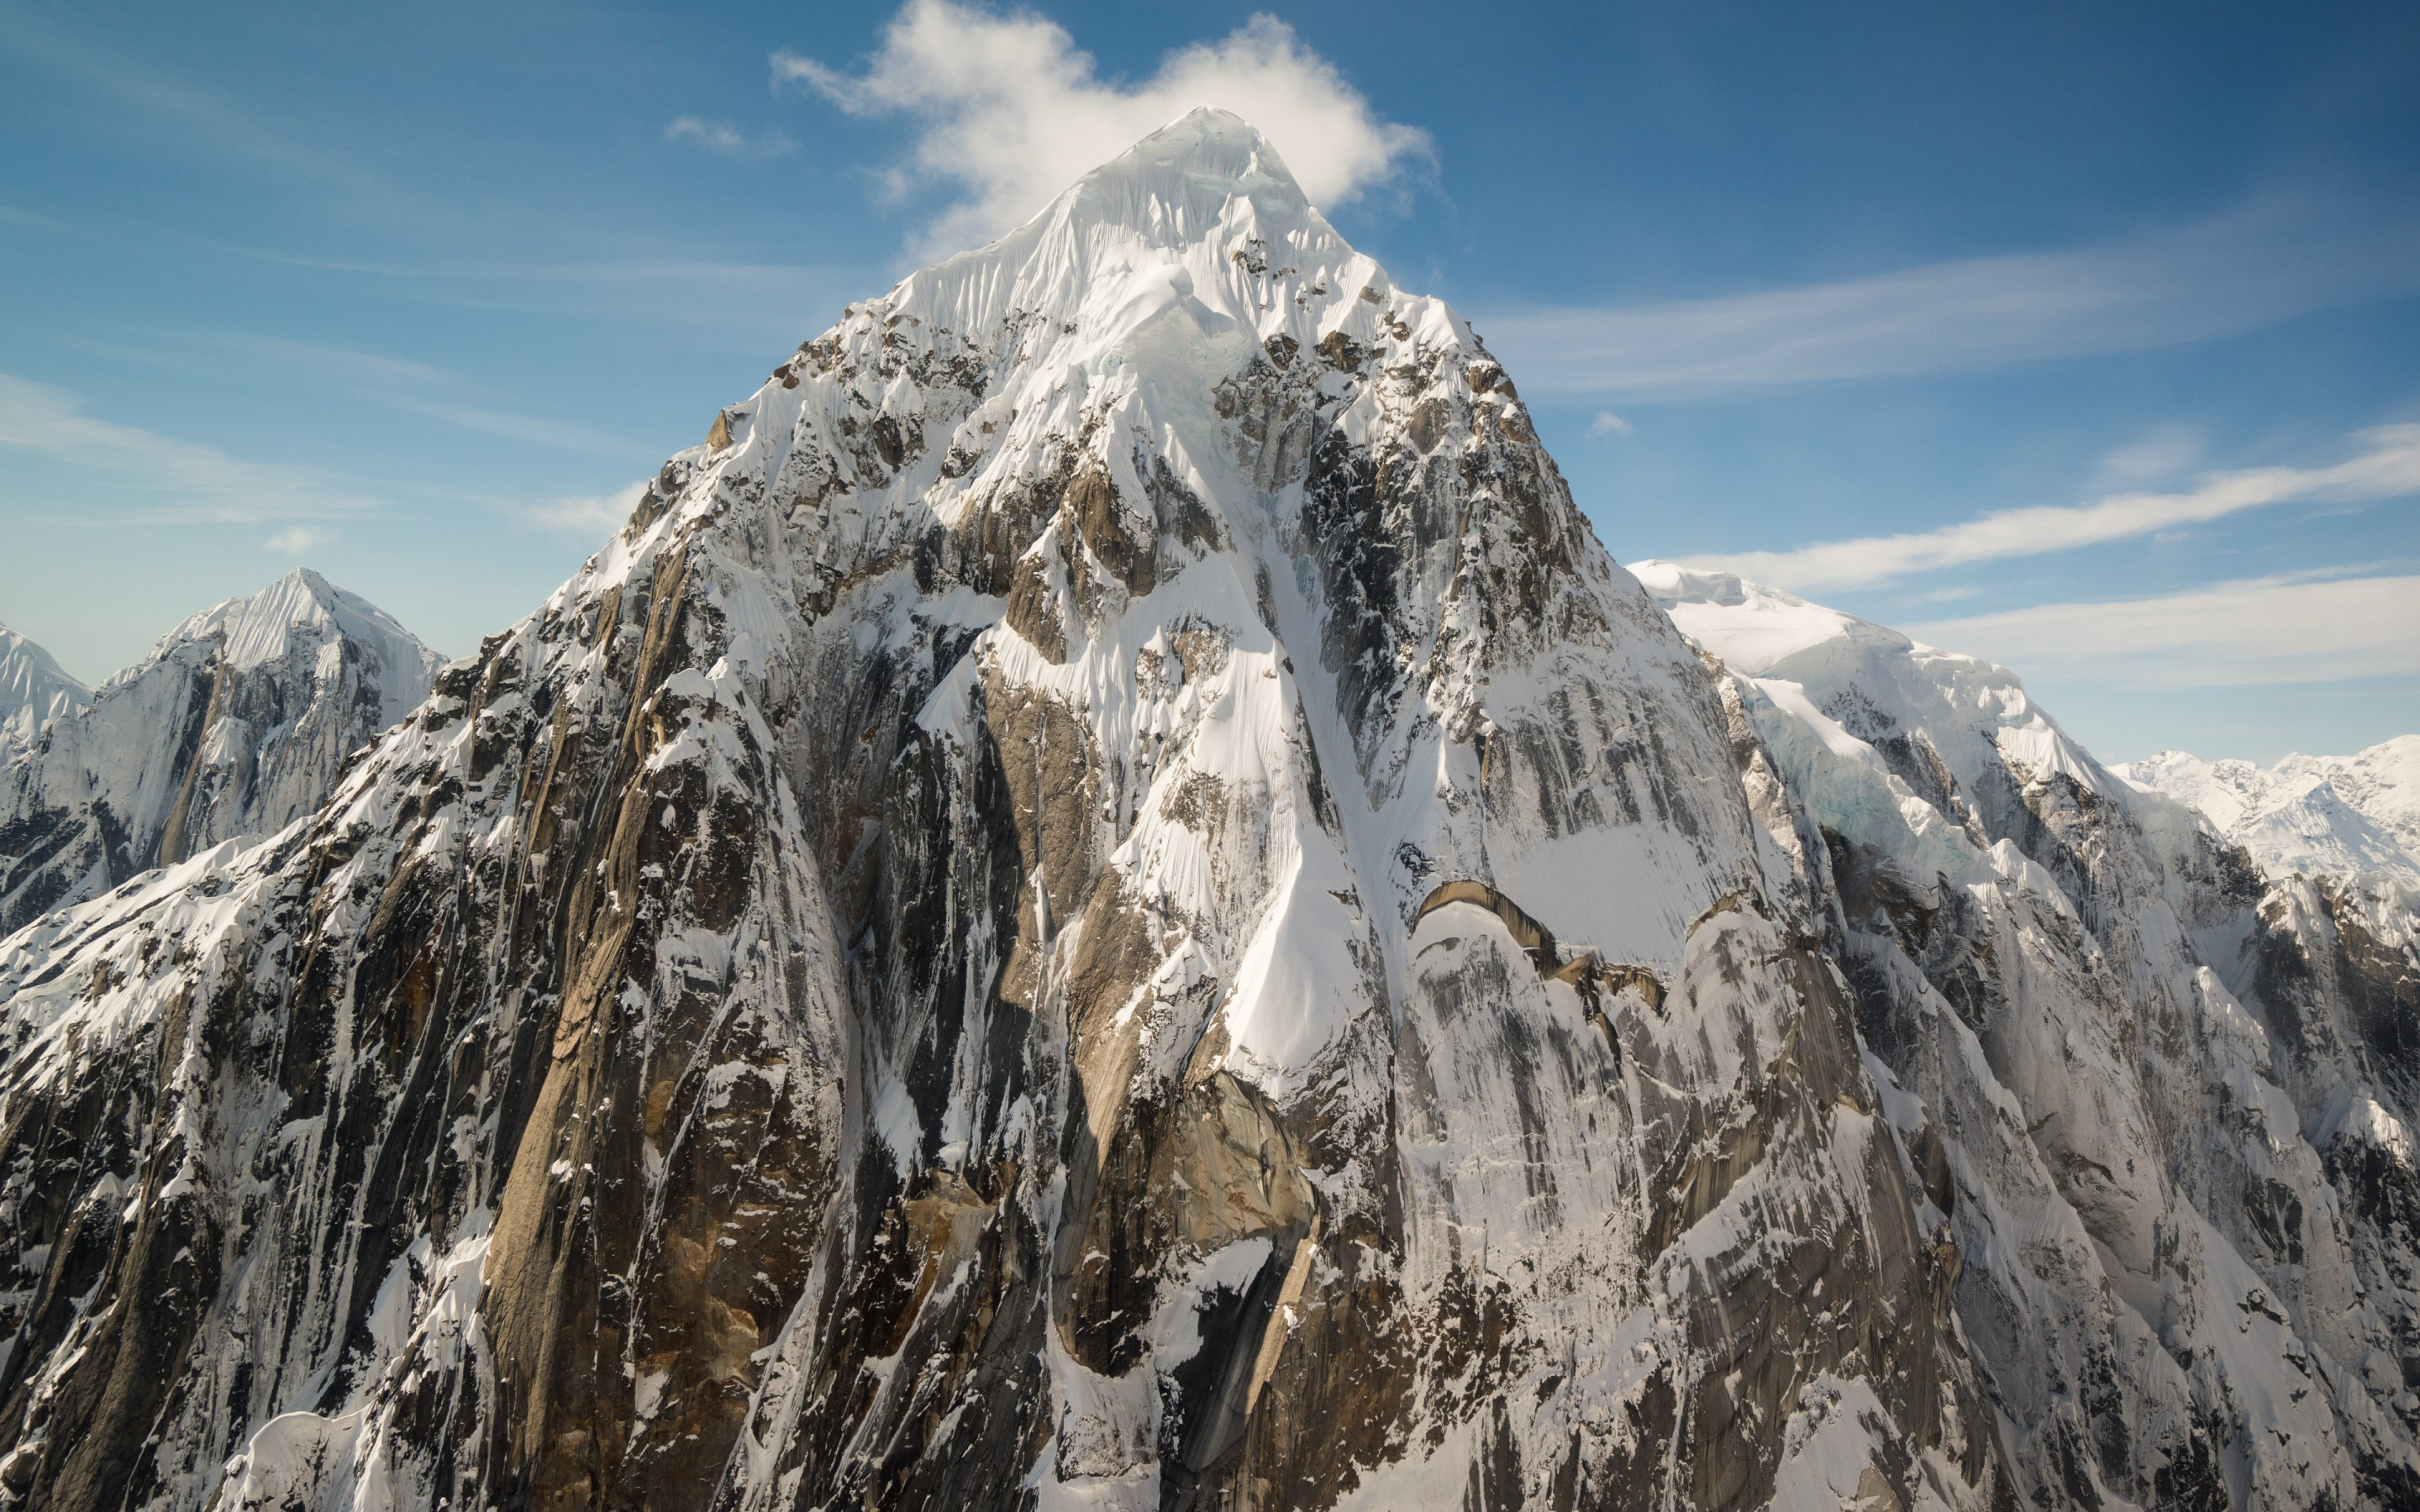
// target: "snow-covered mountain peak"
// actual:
[[1146, 283], [235, 724], [252, 632], [1865, 690], [34, 690]]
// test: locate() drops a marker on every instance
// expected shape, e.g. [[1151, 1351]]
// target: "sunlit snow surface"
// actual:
[[2319, 815], [234, 726], [33, 692]]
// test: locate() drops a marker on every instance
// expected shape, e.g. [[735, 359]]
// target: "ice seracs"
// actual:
[[234, 725]]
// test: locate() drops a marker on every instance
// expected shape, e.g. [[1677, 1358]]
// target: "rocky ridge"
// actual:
[[2162, 1099]]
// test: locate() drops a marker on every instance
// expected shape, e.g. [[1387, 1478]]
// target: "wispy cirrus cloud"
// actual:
[[301, 540], [2253, 267], [389, 382], [2282, 629], [764, 301], [725, 138], [177, 479], [1010, 112], [2387, 467], [591, 516]]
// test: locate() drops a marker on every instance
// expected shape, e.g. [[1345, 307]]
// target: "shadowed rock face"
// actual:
[[906, 983]]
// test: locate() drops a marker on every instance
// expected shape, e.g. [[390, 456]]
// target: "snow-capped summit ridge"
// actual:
[[259, 629], [1174, 260]]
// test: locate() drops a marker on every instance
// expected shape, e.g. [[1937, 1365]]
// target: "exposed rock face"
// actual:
[[234, 725], [2160, 1101], [34, 690], [1106, 901]]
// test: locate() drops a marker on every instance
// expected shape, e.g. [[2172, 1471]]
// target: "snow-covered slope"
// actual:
[[2317, 815], [235, 724], [33, 692], [2164, 1108], [1105, 900]]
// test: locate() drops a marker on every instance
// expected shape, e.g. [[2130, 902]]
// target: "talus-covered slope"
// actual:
[[234, 725], [2162, 1100], [1105, 900]]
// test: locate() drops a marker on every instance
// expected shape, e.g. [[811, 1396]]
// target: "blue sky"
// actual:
[[411, 293]]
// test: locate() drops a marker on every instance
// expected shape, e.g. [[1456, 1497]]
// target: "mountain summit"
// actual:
[[1107, 900], [33, 692]]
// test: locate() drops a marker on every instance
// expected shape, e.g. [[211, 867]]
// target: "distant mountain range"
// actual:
[[2319, 815]]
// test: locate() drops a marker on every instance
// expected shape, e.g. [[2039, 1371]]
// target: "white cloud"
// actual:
[[1010, 112], [1608, 423], [2251, 268], [399, 383], [186, 480], [2159, 452], [723, 137], [2390, 467], [2260, 630], [300, 540], [589, 515]]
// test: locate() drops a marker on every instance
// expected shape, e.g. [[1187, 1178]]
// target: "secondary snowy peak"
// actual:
[[234, 725], [34, 690], [304, 608], [1906, 737], [2316, 815]]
